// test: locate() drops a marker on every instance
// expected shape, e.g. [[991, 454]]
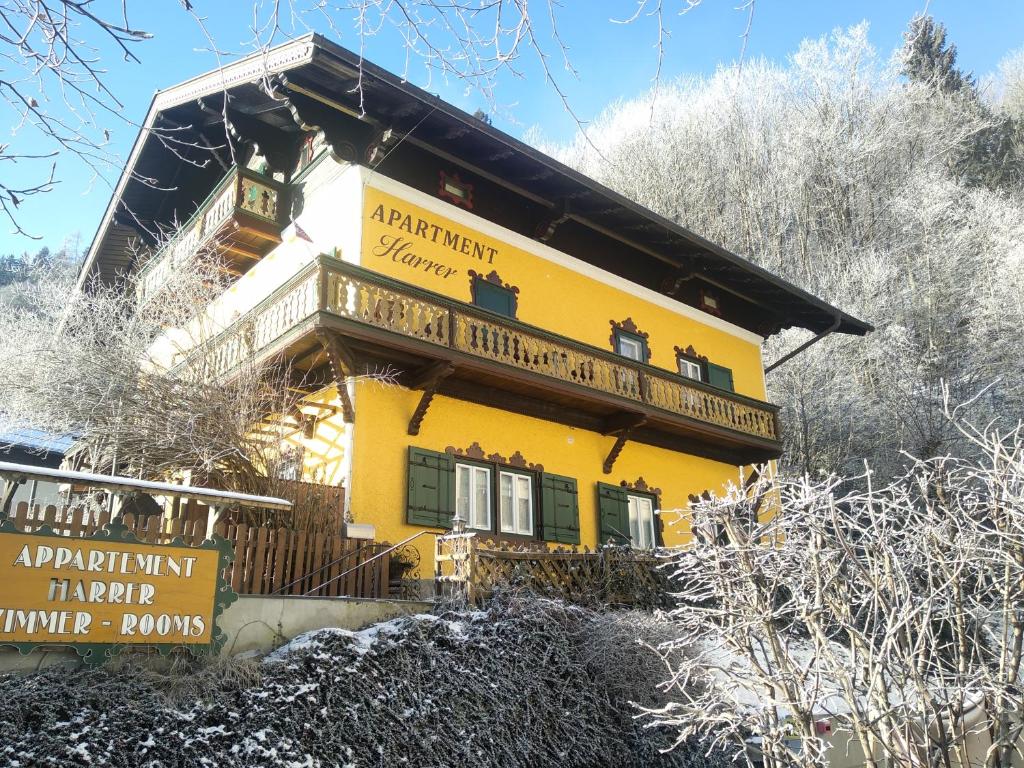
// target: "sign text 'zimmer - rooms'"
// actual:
[[94, 591]]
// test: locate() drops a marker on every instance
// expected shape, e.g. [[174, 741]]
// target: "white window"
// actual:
[[515, 503], [641, 522], [630, 347], [473, 495], [689, 369]]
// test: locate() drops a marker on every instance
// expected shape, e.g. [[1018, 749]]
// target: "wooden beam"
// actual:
[[620, 424], [625, 421], [421, 410], [264, 234], [430, 374], [241, 250], [613, 454], [343, 365], [227, 270], [427, 378]]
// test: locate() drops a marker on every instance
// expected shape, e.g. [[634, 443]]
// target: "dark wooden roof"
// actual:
[[316, 71]]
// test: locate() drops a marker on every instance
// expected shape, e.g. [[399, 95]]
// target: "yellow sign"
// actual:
[[61, 590]]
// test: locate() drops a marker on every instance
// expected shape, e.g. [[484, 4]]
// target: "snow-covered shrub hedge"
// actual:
[[526, 683]]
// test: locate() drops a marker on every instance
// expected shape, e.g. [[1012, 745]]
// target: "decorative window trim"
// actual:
[[709, 301], [451, 181], [475, 278], [641, 488], [629, 328], [477, 453], [690, 354], [496, 465]]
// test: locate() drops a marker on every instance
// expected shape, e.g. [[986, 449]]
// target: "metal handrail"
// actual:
[[392, 548], [307, 575]]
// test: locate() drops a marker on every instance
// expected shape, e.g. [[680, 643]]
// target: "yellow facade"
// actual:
[[379, 468], [555, 296], [558, 298]]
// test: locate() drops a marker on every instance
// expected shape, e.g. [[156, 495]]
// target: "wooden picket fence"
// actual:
[[267, 561], [315, 507], [607, 576]]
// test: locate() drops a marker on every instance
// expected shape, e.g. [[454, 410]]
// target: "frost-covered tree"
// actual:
[[840, 174], [893, 612], [83, 363]]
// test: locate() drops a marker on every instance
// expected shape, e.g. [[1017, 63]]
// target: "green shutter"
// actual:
[[495, 298], [559, 509], [720, 377], [431, 489], [613, 514]]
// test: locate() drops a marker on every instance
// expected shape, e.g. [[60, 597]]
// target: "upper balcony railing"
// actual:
[[242, 217], [376, 302]]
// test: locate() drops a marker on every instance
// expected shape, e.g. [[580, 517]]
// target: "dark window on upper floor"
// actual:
[[495, 298]]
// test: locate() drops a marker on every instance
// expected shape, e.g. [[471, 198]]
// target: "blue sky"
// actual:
[[613, 61]]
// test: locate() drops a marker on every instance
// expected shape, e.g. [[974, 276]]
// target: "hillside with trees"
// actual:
[[892, 187]]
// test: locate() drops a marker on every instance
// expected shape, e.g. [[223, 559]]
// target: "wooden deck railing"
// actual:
[[241, 190], [365, 297]]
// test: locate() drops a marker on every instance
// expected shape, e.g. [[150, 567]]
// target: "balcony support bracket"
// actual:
[[428, 379], [621, 425], [342, 367]]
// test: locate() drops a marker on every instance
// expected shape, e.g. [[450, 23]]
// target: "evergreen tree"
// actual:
[[993, 157], [928, 59]]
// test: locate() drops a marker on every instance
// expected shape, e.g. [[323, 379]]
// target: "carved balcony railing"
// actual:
[[375, 302], [240, 221]]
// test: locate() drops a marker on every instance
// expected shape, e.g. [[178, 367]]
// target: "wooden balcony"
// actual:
[[462, 351], [240, 222]]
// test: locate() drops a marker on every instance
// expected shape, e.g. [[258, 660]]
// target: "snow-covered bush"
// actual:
[[528, 682]]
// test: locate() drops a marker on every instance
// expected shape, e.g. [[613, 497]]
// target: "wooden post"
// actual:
[[11, 483]]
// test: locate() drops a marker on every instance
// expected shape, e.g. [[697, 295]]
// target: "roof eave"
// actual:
[[248, 69], [848, 323]]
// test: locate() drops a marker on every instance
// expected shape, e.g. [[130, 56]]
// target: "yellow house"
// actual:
[[565, 362]]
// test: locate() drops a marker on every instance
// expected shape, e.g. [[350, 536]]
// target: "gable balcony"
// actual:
[[240, 222], [354, 320]]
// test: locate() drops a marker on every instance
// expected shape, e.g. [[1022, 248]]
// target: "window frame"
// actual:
[[702, 374], [452, 188], [481, 287], [620, 335], [653, 501], [495, 470], [474, 467], [531, 497], [291, 464]]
